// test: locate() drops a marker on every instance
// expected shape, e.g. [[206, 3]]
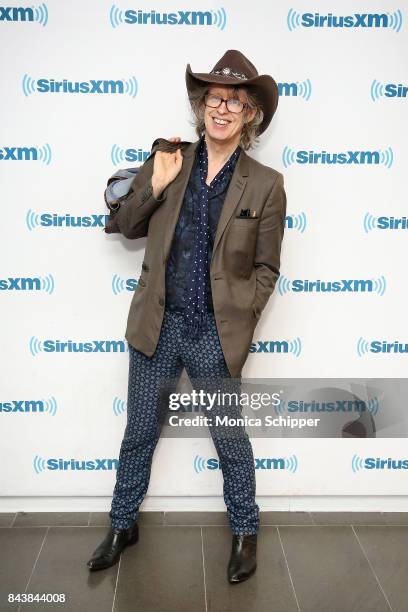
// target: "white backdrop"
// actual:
[[341, 91]]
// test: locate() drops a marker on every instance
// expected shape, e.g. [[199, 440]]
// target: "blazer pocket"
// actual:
[[245, 222], [246, 218]]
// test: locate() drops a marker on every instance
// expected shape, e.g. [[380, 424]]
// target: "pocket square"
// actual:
[[247, 213]]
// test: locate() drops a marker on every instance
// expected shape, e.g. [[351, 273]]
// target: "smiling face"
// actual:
[[221, 125]]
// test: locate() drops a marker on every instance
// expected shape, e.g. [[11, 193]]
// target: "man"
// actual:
[[214, 221]]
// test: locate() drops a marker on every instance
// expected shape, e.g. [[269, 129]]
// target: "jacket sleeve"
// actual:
[[268, 246], [135, 211]]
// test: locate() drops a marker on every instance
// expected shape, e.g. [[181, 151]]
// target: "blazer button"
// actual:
[[161, 301]]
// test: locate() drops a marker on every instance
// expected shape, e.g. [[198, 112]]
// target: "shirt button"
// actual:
[[161, 301]]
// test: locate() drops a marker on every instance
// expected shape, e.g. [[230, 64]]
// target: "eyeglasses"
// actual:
[[233, 104]]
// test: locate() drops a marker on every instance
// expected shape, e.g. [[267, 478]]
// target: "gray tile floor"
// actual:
[[308, 561]]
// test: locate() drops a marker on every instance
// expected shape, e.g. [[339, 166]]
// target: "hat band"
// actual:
[[229, 72]]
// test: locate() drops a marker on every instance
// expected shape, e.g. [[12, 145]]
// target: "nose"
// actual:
[[222, 107]]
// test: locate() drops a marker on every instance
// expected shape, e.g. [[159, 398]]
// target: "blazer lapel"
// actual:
[[176, 194], [234, 193]]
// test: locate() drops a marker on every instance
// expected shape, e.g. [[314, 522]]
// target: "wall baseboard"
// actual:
[[312, 503]]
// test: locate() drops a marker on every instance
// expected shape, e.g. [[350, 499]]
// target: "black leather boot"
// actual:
[[108, 552], [242, 563]]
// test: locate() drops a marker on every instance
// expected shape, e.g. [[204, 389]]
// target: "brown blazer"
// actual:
[[246, 252]]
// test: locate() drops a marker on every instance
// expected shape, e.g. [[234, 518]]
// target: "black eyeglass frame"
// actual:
[[226, 100]]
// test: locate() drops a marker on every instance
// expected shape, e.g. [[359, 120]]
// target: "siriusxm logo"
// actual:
[[34, 283], [70, 346], [118, 17], [25, 13], [34, 220], [371, 223], [119, 155], [387, 90], [40, 464], [351, 285], [120, 284], [360, 158], [277, 346], [51, 86], [296, 222], [298, 89], [330, 406], [118, 406], [289, 464], [380, 346], [26, 154], [30, 406], [356, 20], [376, 463]]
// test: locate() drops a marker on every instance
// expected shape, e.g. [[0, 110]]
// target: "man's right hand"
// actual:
[[165, 169]]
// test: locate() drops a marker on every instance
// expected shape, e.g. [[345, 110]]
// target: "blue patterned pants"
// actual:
[[203, 360]]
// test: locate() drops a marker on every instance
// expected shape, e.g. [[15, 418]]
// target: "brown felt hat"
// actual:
[[235, 69]]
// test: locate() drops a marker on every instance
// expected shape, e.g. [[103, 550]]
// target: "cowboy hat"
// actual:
[[235, 69]]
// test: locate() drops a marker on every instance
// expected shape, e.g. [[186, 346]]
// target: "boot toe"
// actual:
[[101, 562], [237, 575]]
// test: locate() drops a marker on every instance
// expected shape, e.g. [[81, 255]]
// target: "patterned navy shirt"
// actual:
[[181, 254]]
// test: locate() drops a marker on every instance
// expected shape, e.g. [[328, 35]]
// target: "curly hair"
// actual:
[[250, 130]]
